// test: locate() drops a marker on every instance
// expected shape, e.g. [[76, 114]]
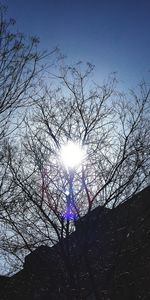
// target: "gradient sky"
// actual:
[[114, 35]]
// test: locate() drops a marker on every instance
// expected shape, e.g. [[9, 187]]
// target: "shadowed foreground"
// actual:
[[109, 259]]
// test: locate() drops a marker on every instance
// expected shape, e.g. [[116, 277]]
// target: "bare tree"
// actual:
[[114, 129], [35, 186], [20, 71]]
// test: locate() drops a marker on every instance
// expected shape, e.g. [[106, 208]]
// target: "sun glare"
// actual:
[[72, 154]]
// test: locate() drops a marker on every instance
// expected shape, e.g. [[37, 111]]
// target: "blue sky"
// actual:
[[114, 35]]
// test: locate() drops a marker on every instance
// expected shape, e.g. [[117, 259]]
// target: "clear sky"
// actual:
[[112, 34]]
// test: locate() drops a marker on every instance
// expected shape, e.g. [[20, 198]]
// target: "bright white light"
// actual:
[[72, 154]]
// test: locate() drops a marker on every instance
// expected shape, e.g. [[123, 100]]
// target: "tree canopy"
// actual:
[[64, 106]]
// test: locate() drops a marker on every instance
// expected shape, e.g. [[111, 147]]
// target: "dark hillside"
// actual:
[[109, 259]]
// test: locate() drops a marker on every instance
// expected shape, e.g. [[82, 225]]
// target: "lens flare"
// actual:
[[70, 214]]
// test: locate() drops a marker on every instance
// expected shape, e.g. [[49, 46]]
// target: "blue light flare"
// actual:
[[70, 214]]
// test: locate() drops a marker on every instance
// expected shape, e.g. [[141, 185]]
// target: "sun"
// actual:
[[72, 154]]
